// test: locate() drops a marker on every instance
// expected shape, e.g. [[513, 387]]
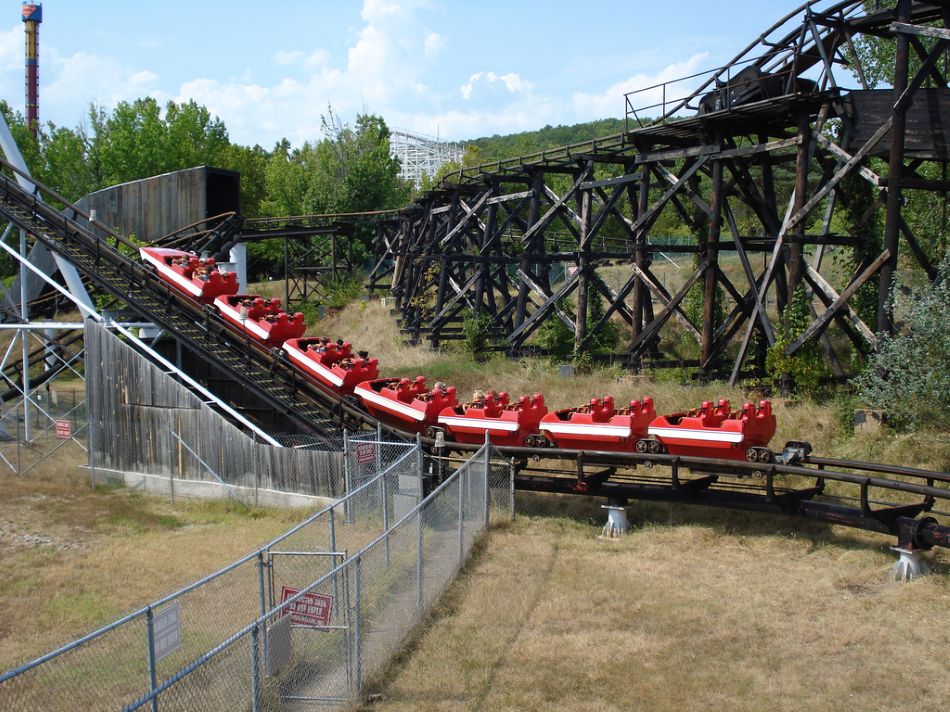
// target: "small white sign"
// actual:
[[279, 647], [166, 631]]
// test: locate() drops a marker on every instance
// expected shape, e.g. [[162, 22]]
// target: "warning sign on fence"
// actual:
[[64, 429], [311, 610], [365, 453]]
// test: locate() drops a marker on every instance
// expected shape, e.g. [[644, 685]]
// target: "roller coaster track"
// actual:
[[801, 489], [845, 492], [265, 374], [613, 475]]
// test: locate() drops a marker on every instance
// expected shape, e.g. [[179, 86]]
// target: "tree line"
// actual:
[[350, 169]]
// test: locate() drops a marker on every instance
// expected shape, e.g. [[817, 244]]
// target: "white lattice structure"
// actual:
[[421, 154]]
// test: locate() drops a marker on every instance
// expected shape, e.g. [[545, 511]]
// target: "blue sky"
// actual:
[[459, 69]]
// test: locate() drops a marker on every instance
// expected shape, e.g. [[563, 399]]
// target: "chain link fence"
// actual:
[[47, 427], [305, 621]]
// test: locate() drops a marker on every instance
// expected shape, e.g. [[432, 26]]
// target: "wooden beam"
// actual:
[[469, 213], [829, 145], [670, 309], [607, 182], [654, 210], [940, 33], [840, 173], [822, 321], [555, 208], [508, 197], [664, 297]]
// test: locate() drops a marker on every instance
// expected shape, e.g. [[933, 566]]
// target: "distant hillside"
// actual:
[[493, 148]]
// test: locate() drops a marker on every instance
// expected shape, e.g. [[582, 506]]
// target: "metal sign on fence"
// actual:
[[312, 610], [64, 429], [166, 629], [365, 453]]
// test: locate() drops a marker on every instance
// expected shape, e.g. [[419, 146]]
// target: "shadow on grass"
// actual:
[[588, 511]]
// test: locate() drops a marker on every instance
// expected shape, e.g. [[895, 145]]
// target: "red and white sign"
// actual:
[[365, 453], [311, 610], [64, 429]]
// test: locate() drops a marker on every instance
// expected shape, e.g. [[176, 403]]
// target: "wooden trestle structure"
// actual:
[[769, 155]]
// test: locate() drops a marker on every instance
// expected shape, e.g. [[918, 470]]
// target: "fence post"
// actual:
[[255, 673], [420, 601], [336, 590], [379, 446], [357, 627], [386, 514], [152, 676], [459, 477], [487, 476], [261, 564], [347, 478], [420, 463], [511, 490]]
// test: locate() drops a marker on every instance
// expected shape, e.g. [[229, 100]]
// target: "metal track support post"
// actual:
[[261, 566]]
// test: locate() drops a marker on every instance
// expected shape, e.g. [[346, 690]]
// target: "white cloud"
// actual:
[[434, 43], [388, 67], [83, 77], [513, 83], [649, 97], [387, 61], [297, 58]]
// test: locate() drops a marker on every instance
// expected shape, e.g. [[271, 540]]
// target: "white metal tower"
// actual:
[[420, 154]]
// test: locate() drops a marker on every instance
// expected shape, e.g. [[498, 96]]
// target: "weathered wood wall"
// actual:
[[153, 207], [137, 413]]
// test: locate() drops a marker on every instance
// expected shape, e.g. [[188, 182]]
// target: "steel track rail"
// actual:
[[768, 488]]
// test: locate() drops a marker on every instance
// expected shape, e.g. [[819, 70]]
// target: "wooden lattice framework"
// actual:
[[757, 157]]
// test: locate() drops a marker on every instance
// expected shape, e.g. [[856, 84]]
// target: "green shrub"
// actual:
[[342, 290], [909, 375], [807, 366], [555, 338], [477, 331]]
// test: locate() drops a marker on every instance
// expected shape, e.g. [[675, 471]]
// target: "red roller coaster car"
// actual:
[[714, 431], [599, 425], [196, 277], [404, 404], [331, 364], [507, 424], [260, 318]]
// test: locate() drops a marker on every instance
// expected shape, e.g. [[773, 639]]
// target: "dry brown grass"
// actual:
[[75, 558], [694, 610]]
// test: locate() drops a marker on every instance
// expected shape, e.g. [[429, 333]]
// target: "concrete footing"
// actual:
[[617, 523], [910, 565]]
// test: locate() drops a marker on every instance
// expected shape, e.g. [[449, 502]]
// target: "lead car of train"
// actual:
[[714, 430]]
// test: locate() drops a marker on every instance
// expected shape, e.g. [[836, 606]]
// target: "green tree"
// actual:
[[66, 169], [134, 142], [285, 181], [251, 163], [193, 137]]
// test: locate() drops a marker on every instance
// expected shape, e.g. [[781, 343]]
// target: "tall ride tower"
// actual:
[[32, 17]]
